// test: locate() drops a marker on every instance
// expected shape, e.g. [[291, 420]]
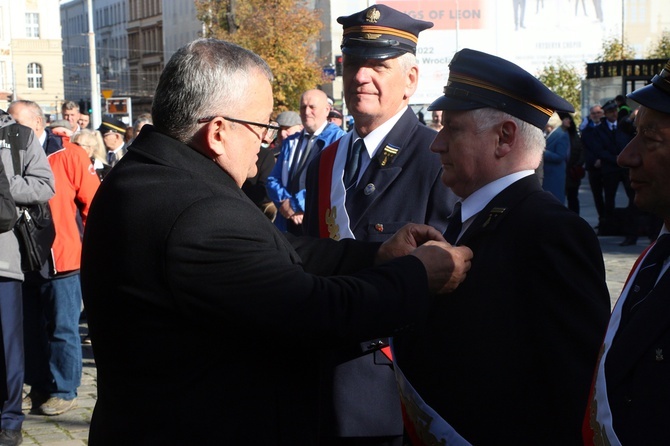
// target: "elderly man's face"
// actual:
[[24, 116], [467, 154], [375, 90], [314, 109], [596, 114], [243, 141], [648, 158]]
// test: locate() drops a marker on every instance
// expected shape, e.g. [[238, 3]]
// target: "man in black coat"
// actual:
[[509, 356], [205, 320], [630, 402]]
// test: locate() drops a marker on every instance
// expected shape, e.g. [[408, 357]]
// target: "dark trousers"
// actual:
[[610, 183], [11, 319], [596, 184]]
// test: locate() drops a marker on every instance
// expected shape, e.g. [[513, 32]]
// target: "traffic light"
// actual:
[[338, 65], [89, 108]]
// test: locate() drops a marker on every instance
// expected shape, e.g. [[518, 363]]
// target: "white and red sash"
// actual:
[[423, 425], [333, 218], [598, 427]]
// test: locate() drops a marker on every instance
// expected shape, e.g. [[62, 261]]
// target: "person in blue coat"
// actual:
[[555, 157], [286, 183]]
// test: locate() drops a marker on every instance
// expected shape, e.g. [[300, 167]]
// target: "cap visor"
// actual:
[[652, 97], [363, 52], [447, 103]]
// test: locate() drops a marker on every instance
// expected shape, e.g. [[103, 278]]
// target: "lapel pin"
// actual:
[[388, 154], [379, 227], [493, 214], [369, 189]]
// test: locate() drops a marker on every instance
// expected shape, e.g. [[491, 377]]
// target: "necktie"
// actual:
[[455, 225], [298, 154], [647, 275], [353, 166], [111, 157]]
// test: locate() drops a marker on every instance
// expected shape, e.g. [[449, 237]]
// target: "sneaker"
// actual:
[[33, 399], [57, 406], [11, 437]]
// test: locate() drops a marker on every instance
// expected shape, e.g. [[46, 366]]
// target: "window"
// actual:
[[34, 75], [32, 24]]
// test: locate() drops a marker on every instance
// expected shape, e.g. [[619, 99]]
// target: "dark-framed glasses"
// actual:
[[268, 133]]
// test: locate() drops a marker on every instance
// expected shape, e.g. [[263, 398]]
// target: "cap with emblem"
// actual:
[[111, 125], [657, 94], [479, 80], [380, 32]]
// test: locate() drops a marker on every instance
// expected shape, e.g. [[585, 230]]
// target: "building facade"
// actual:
[[31, 65]]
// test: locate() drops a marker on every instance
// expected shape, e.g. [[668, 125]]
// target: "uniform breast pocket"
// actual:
[[379, 232]]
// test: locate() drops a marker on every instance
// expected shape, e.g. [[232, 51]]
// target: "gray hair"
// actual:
[[206, 77], [531, 138], [407, 61], [30, 105]]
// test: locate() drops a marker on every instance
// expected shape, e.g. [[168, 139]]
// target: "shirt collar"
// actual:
[[482, 196], [374, 139]]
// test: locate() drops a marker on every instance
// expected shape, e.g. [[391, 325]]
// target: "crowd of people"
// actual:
[[61, 163], [397, 283]]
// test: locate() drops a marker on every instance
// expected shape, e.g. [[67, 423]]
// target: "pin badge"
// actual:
[[379, 227], [493, 214], [388, 154], [369, 189], [659, 354]]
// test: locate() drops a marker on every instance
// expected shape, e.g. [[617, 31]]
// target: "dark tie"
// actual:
[[353, 166], [111, 157], [647, 275], [298, 154], [455, 224]]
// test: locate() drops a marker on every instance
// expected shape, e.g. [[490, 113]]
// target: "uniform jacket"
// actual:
[[364, 399], [35, 185], [606, 145], [76, 184], [208, 328], [637, 369], [509, 356], [277, 187]]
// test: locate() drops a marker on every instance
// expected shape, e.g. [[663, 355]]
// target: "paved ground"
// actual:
[[71, 429]]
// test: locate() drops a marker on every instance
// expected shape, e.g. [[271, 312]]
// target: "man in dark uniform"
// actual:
[[509, 356], [630, 402], [366, 186]]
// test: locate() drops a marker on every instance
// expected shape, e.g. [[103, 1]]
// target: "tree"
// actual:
[[564, 80], [661, 50], [282, 32], [613, 49]]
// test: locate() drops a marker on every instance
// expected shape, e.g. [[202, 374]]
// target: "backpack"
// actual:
[[34, 228]]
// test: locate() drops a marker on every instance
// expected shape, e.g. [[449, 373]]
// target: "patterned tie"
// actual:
[[353, 166], [455, 224], [647, 276]]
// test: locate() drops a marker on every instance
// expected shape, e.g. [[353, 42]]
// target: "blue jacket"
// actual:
[[278, 188]]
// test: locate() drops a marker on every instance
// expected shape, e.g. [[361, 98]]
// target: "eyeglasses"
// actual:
[[269, 130]]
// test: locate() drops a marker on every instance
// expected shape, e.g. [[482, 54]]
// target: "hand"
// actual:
[[406, 240], [446, 265], [285, 209], [297, 217]]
